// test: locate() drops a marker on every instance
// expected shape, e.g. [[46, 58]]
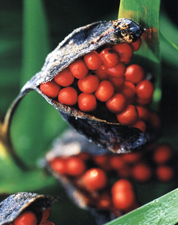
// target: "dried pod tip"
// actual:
[[129, 30]]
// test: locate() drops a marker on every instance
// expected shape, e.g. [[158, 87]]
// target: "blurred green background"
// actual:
[[29, 30]]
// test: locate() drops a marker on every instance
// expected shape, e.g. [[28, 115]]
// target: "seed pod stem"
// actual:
[[6, 147]]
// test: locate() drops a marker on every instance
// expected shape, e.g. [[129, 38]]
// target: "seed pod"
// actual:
[[72, 144], [103, 131], [15, 204]]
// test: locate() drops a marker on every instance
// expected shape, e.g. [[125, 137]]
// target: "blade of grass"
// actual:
[[170, 43], [146, 13], [163, 210], [168, 38]]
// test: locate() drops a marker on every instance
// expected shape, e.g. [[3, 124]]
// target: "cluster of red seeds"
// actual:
[[102, 78], [29, 218], [107, 181]]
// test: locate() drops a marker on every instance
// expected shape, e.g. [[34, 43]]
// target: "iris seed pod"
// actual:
[[15, 204], [108, 134], [69, 144]]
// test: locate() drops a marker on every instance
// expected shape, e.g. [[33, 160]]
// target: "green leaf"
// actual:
[[163, 210], [10, 42], [14, 179], [35, 123], [170, 43], [146, 13], [168, 38]]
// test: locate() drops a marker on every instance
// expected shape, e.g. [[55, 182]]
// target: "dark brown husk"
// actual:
[[11, 207]]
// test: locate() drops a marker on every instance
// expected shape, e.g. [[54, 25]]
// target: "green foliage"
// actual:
[[160, 211], [32, 131], [34, 118], [13, 179]]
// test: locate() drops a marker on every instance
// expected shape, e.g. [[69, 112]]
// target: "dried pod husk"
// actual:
[[72, 143], [103, 131], [15, 204]]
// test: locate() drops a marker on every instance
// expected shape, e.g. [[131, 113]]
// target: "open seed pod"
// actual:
[[78, 156], [17, 204], [105, 131], [69, 144]]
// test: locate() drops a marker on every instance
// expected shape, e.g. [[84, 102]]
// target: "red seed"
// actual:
[[93, 60], [117, 82], [136, 45], [104, 91], [74, 166], [140, 125], [164, 173], [154, 120], [87, 102], [45, 215], [58, 165], [143, 113], [125, 52], [116, 162], [64, 78], [131, 157], [121, 185], [117, 71], [109, 57], [134, 73], [78, 69], [162, 153], [129, 116], [68, 96], [128, 90], [89, 83], [104, 201], [144, 102], [26, 218], [101, 73], [84, 156], [144, 89], [94, 179], [117, 103], [51, 89], [123, 200], [125, 171], [100, 160], [141, 172]]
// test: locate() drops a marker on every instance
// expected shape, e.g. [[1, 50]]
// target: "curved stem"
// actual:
[[5, 131], [10, 112]]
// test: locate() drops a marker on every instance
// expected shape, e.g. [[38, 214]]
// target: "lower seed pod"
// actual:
[[108, 184], [73, 145], [23, 206]]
